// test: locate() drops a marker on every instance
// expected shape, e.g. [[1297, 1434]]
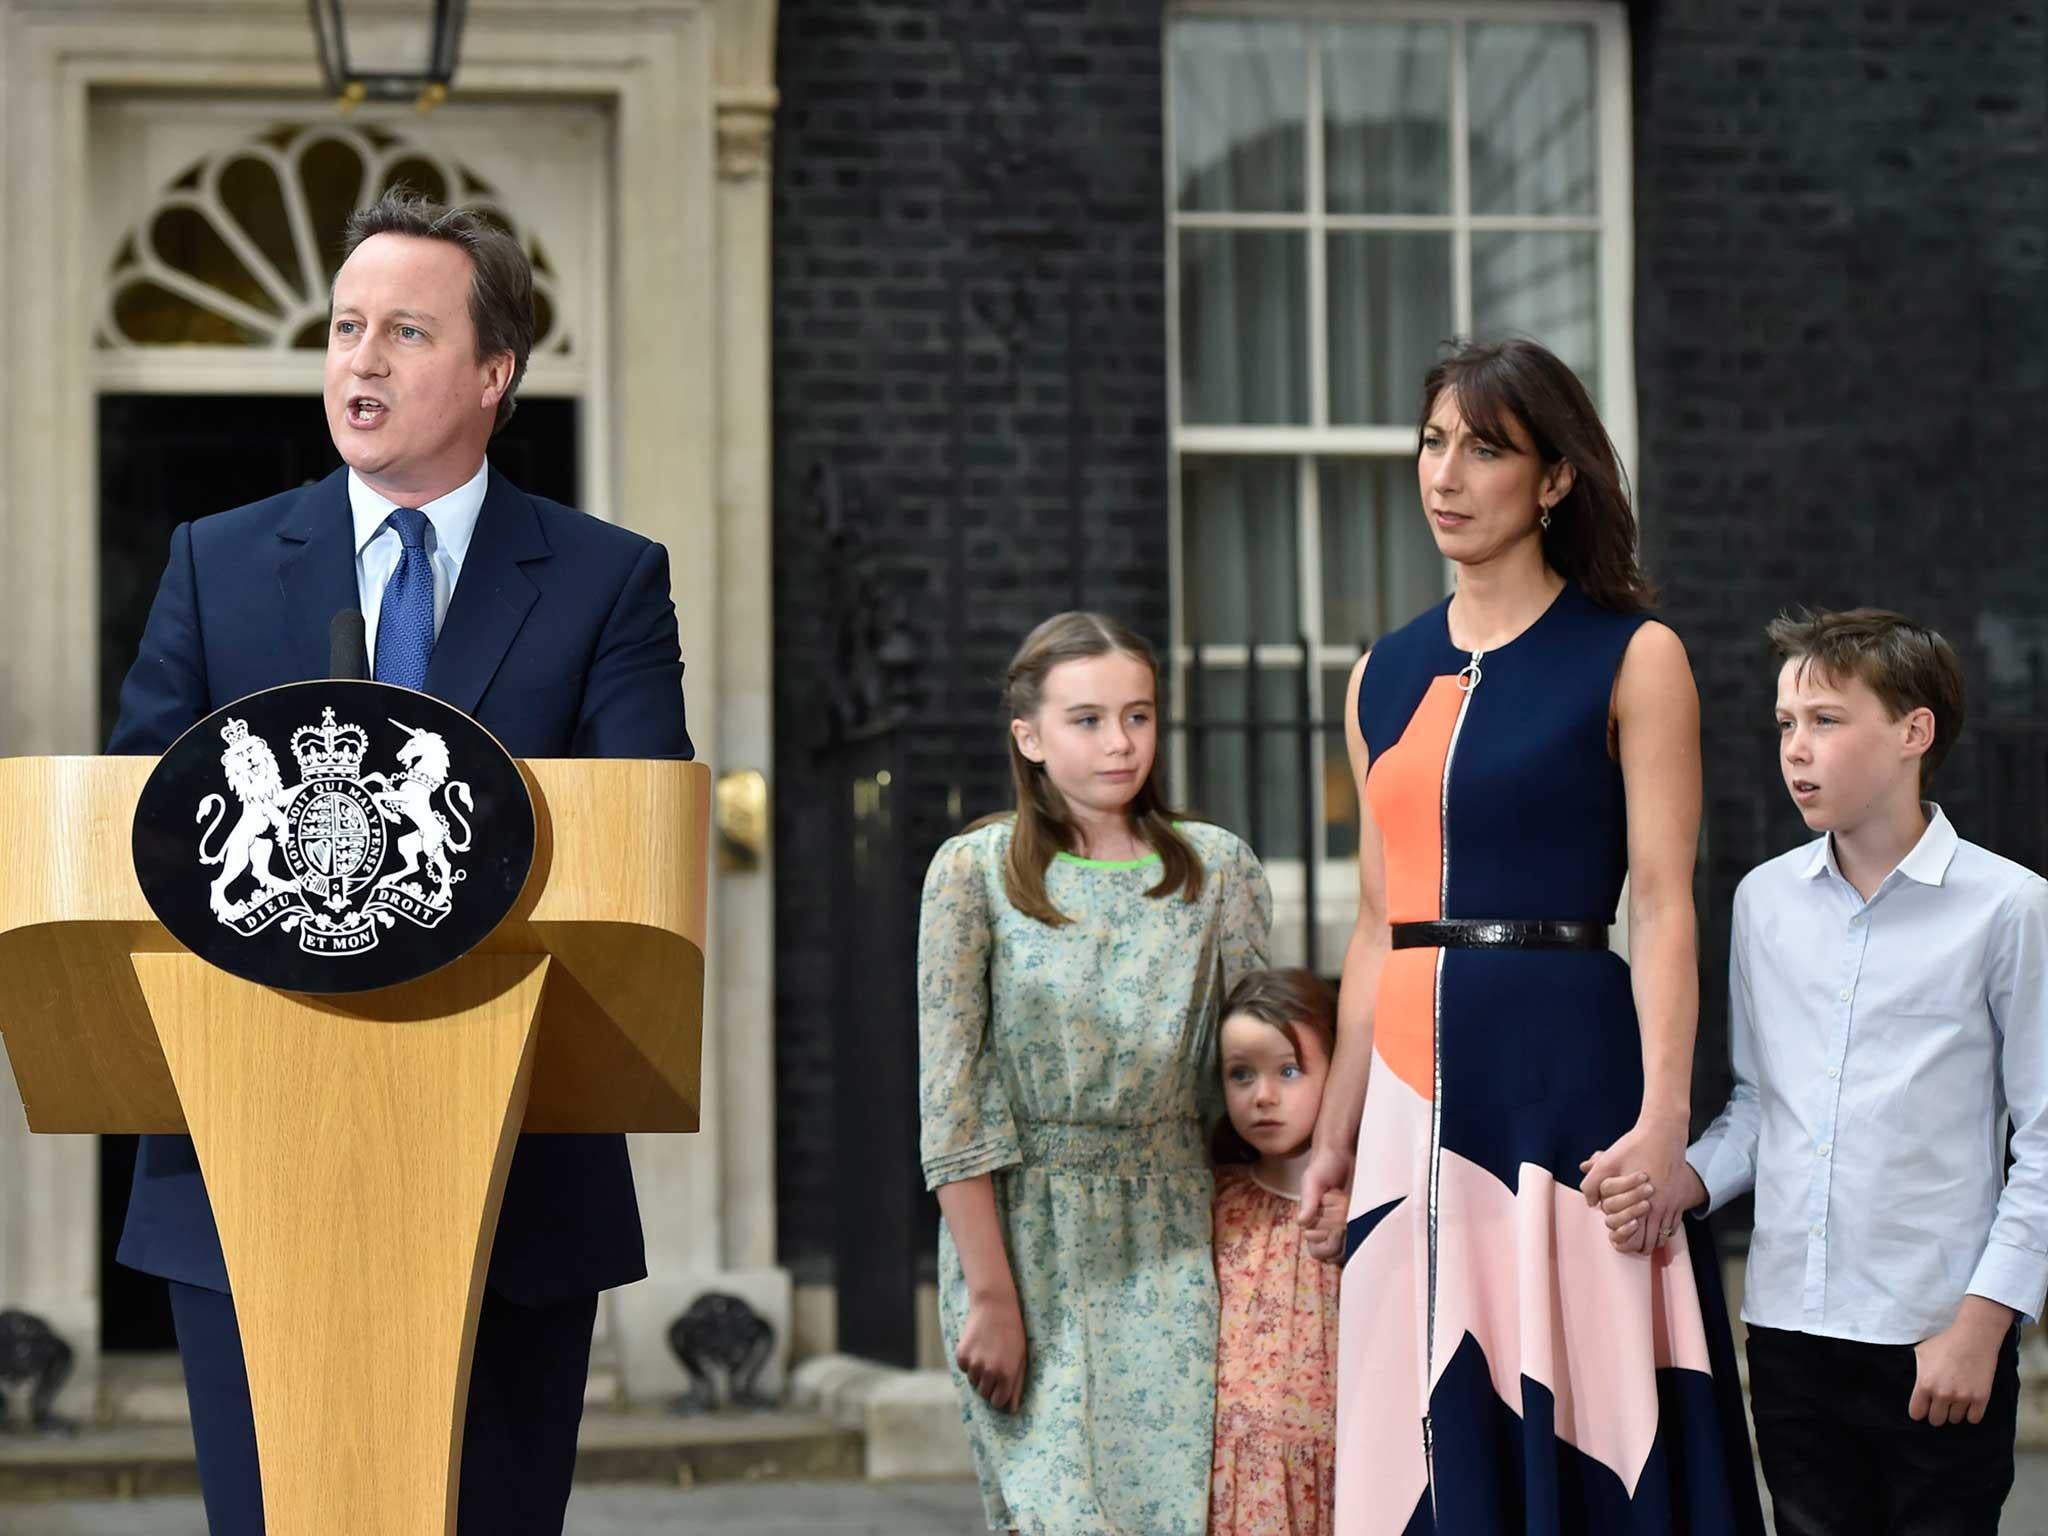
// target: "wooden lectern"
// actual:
[[355, 1147]]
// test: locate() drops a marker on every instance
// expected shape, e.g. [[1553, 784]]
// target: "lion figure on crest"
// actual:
[[252, 774], [424, 758]]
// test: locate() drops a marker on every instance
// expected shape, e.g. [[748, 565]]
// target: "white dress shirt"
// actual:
[[1881, 1048], [451, 520]]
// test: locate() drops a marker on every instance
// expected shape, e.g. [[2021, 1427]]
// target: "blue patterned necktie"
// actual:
[[405, 620]]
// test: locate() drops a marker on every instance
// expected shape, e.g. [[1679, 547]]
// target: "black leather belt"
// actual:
[[1492, 933]]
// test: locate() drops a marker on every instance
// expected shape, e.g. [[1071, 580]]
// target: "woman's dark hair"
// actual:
[[1591, 539], [1043, 827], [1290, 1001]]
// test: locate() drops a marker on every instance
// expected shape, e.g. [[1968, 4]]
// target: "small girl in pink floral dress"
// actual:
[[1274, 1472]]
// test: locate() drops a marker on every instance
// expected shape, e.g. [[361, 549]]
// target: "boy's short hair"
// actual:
[[1907, 665]]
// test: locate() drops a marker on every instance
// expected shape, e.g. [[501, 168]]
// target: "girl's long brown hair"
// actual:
[[1043, 826], [1591, 539]]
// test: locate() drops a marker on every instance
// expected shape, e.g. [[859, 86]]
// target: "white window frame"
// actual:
[[1337, 879]]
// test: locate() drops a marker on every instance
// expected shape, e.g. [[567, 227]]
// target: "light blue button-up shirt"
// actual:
[[1881, 1049], [451, 521]]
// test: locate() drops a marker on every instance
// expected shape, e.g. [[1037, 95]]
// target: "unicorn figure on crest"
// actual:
[[425, 766]]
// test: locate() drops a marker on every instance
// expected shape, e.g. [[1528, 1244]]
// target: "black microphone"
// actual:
[[348, 653]]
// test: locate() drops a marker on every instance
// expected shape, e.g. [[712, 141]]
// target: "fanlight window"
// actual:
[[241, 249]]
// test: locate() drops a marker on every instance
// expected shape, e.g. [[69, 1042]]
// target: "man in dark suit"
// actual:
[[557, 632]]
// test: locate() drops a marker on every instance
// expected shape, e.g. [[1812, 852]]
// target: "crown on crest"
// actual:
[[328, 750], [235, 732]]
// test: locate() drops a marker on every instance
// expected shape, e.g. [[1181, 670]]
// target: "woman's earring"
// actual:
[[1544, 521]]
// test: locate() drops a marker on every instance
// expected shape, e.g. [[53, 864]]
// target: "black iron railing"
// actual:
[[904, 788]]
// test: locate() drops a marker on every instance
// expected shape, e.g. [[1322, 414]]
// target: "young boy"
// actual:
[[1888, 1013]]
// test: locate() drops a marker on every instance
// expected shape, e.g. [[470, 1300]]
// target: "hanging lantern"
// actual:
[[387, 53]]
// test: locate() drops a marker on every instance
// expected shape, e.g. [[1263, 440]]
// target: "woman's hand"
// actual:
[[1325, 1182], [992, 1351], [1654, 1149], [1625, 1202]]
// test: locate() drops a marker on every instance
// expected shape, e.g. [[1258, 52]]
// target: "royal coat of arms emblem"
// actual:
[[334, 833]]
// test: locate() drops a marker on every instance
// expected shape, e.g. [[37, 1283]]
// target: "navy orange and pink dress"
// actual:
[[1501, 1367], [1276, 1367]]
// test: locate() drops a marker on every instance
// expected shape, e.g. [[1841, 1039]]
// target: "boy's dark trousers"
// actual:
[[1842, 1458]]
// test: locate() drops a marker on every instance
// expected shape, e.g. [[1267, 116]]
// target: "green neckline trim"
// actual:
[[1075, 858]]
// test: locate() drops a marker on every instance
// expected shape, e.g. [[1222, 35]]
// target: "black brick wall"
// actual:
[[970, 353], [1842, 353], [1841, 215]]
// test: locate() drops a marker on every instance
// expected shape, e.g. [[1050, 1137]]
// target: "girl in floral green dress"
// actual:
[[1071, 959]]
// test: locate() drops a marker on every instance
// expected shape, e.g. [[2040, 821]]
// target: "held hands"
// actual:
[[1956, 1366], [992, 1351], [1643, 1184], [1625, 1201], [1325, 1192], [1325, 1237]]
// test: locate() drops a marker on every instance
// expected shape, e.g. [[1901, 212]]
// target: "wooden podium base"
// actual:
[[355, 1149]]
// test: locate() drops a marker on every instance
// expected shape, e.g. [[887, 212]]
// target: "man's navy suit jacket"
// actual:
[[560, 638]]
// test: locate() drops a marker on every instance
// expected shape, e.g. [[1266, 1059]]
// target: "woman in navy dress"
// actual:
[[1519, 749]]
